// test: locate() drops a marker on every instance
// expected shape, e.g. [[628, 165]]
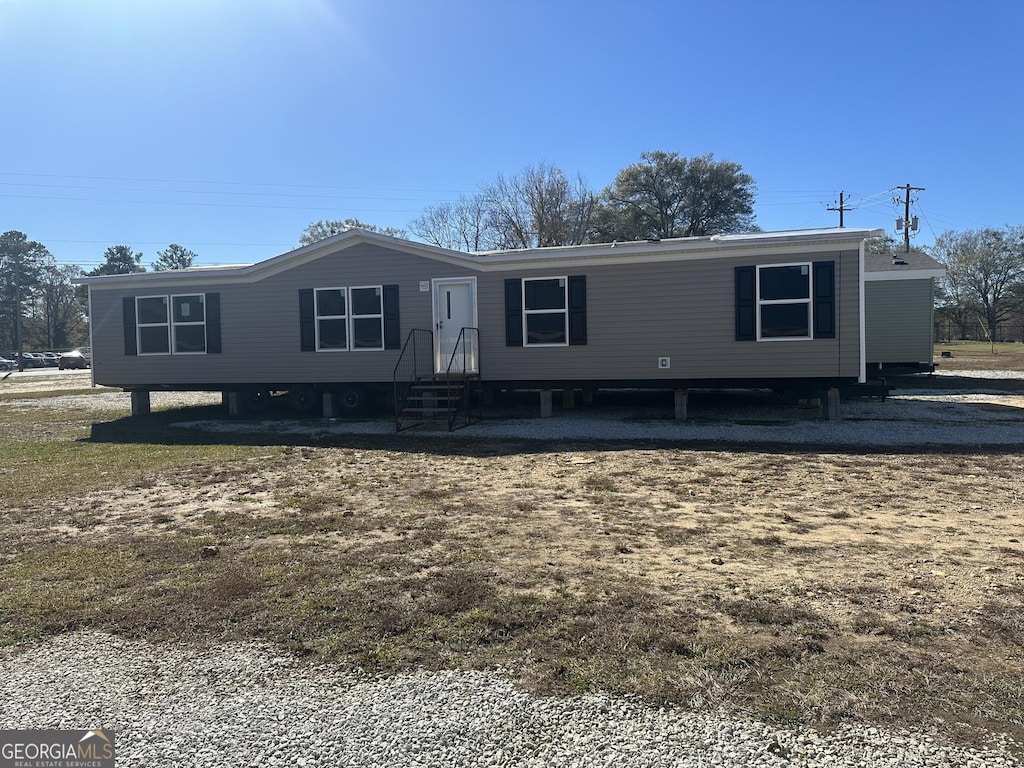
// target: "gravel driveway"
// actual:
[[241, 705]]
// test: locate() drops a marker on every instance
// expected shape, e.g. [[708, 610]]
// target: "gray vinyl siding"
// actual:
[[636, 313], [899, 321], [260, 325], [639, 312]]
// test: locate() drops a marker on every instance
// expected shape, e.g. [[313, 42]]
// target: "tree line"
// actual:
[[981, 295], [40, 305], [984, 282], [661, 196]]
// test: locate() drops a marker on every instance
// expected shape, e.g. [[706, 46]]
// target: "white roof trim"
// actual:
[[913, 274], [275, 264], [677, 249], [703, 244]]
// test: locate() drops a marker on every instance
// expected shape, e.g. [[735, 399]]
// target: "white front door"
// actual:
[[455, 309]]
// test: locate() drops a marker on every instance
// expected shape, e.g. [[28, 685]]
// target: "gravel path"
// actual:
[[924, 417], [240, 705], [911, 417], [975, 417]]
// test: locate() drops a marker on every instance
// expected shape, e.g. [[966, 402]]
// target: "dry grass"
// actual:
[[980, 356], [805, 586]]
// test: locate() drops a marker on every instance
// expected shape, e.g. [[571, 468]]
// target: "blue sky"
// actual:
[[229, 125]]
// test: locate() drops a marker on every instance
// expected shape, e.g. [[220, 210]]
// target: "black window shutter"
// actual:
[[578, 309], [513, 312], [212, 301], [307, 321], [824, 300], [746, 304], [392, 328], [128, 312]]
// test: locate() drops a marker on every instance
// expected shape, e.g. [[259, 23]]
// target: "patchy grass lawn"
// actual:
[[980, 356], [798, 586]]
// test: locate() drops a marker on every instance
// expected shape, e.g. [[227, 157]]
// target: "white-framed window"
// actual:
[[349, 319], [366, 317], [171, 325], [545, 312], [152, 329], [784, 302], [331, 312], [188, 324]]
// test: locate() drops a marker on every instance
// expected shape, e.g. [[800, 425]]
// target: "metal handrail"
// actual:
[[419, 344], [467, 351]]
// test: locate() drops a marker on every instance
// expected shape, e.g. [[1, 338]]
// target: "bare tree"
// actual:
[[538, 207], [508, 214], [984, 273], [459, 225]]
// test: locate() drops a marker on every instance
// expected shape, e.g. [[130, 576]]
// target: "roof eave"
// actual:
[[689, 245], [910, 274], [294, 257], [677, 248]]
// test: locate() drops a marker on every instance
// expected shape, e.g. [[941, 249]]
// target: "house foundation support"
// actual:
[[235, 407], [140, 403], [568, 399], [682, 396], [588, 397], [830, 404], [330, 405], [545, 403]]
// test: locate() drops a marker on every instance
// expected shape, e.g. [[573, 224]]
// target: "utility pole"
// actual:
[[906, 223], [841, 209]]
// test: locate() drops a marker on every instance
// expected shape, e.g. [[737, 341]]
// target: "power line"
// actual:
[[930, 228], [812, 194], [867, 200], [952, 219], [211, 192], [205, 205], [163, 242], [227, 183]]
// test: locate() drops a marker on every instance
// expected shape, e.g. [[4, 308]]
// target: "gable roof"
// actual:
[[676, 249], [275, 264]]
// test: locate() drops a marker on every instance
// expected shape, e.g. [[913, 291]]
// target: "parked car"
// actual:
[[32, 360], [7, 365], [50, 358], [76, 358]]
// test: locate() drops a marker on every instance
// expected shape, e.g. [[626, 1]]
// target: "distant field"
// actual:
[[980, 356]]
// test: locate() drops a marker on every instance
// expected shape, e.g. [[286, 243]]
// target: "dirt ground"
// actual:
[[931, 535], [816, 528], [910, 559]]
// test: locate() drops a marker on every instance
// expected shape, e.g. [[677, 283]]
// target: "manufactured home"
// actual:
[[362, 315], [899, 309]]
